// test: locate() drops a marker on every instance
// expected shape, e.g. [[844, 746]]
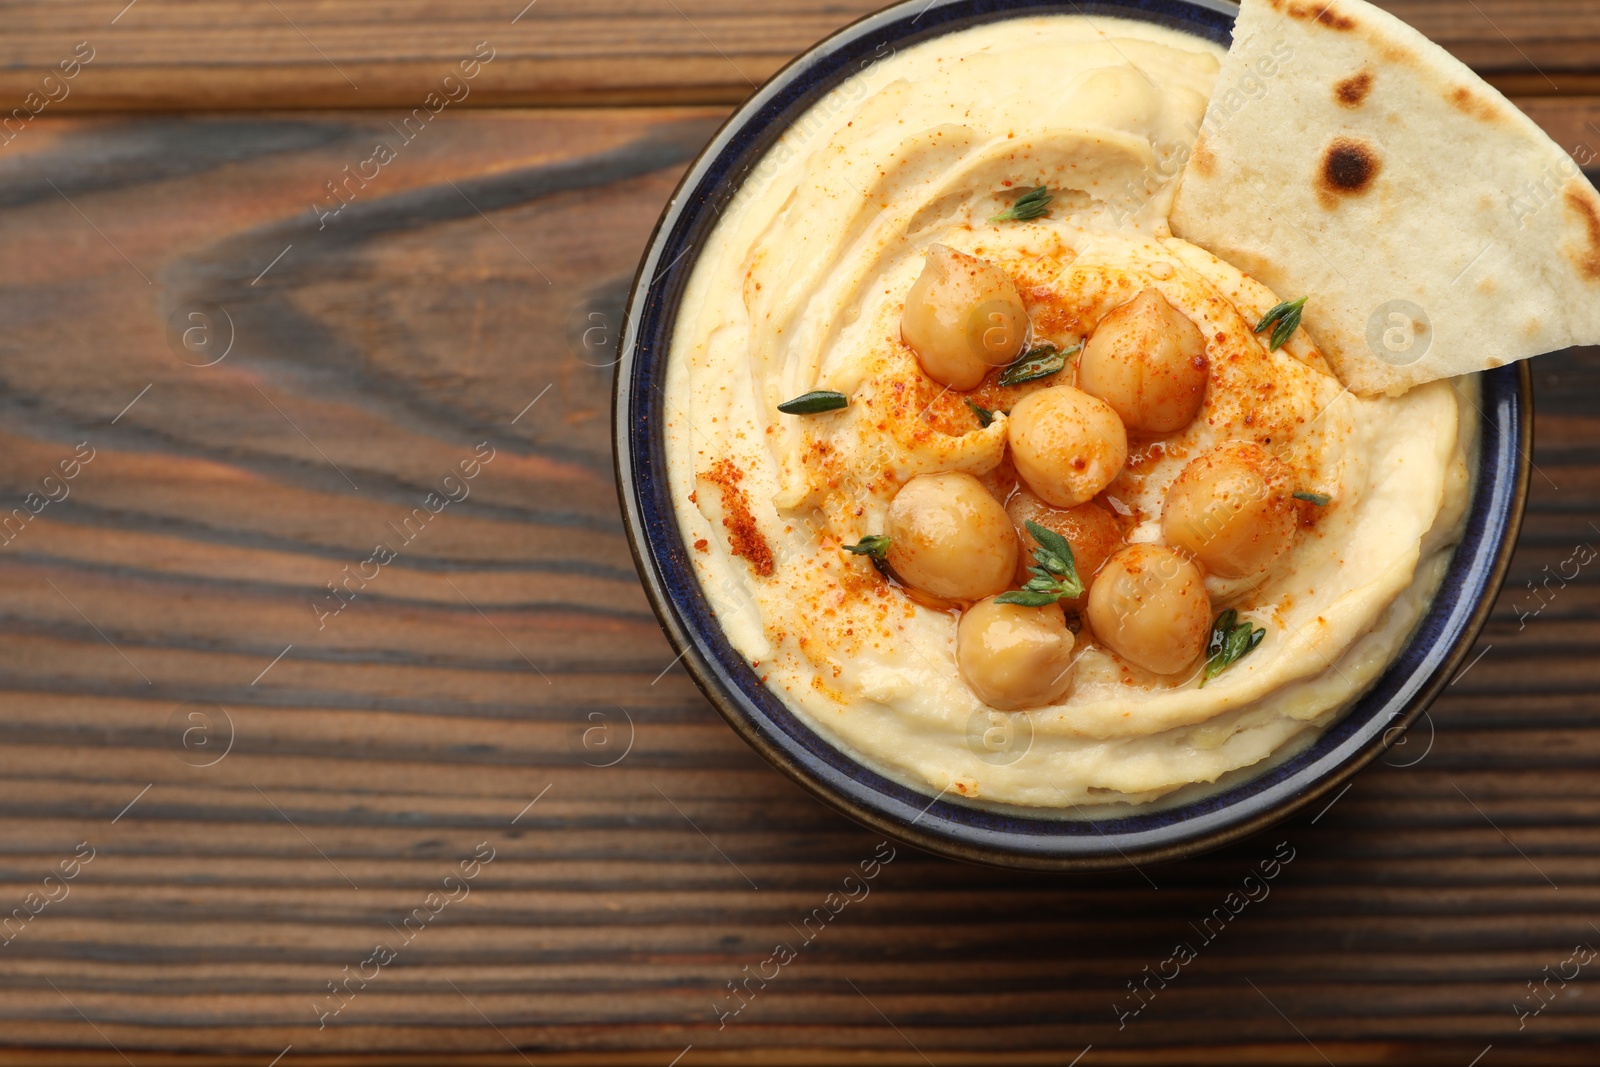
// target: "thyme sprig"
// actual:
[[1230, 641], [1284, 320], [814, 402], [1055, 575], [1029, 206]]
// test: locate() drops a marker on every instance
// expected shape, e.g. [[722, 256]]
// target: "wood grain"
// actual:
[[342, 765], [216, 54], [506, 654]]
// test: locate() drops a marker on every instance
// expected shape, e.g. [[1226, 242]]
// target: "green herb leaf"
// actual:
[[1029, 206], [1220, 629], [985, 416], [1230, 641], [1284, 319], [816, 401], [1026, 599], [874, 545], [1318, 499], [1054, 576], [1040, 361], [1052, 545]]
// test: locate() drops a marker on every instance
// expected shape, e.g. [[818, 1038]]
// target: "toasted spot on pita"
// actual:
[[1352, 92], [1465, 101], [1204, 163], [1348, 169], [1395, 53], [1582, 200], [1322, 12]]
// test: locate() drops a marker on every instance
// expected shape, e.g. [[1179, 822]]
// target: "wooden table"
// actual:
[[248, 400]]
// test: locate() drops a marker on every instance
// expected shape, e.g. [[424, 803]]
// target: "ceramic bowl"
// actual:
[[1007, 837]]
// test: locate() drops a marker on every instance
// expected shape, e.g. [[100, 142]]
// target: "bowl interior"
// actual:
[[1010, 837]]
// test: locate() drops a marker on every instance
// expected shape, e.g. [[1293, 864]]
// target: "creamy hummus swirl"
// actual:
[[801, 287]]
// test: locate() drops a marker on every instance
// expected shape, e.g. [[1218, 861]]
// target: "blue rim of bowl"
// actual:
[[1429, 660]]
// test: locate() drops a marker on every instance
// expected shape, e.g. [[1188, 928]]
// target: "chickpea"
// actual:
[[1151, 607], [1066, 444], [1091, 529], [963, 316], [1013, 657], [949, 537], [1233, 509], [1148, 361]]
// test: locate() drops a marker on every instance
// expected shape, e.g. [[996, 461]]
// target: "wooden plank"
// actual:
[[186, 55], [1574, 123], [507, 650]]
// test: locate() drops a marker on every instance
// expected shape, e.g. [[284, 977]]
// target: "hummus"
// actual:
[[802, 287]]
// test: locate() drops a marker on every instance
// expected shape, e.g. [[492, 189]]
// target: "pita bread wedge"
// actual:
[[1436, 229]]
